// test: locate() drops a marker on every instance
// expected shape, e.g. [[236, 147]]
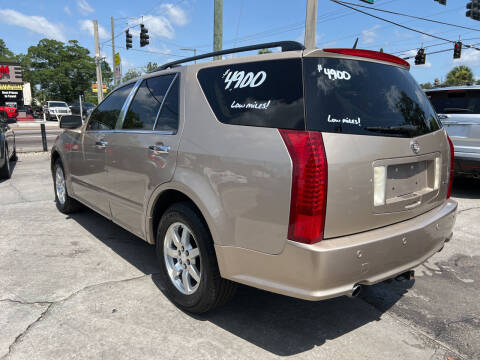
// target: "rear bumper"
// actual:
[[332, 267]]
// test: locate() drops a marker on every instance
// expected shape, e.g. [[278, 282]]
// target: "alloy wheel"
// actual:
[[182, 258]]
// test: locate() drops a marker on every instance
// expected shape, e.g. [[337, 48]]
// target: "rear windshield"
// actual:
[[262, 93], [455, 101], [366, 98], [57, 104]]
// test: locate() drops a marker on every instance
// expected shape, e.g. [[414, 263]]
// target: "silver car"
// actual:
[[308, 173], [458, 108]]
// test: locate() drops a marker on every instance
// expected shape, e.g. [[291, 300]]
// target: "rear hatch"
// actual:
[[387, 154], [459, 111]]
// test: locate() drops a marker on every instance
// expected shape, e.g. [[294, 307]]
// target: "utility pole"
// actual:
[[311, 24], [217, 26], [191, 49], [98, 60], [113, 50]]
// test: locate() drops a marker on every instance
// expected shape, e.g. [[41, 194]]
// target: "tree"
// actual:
[[264, 51], [427, 85], [460, 75], [131, 74], [150, 67], [5, 53], [60, 71]]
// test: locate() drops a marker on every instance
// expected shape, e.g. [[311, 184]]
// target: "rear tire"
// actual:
[[64, 202], [5, 172], [211, 290]]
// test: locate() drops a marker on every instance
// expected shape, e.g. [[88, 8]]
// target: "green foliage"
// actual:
[[427, 85], [5, 53], [460, 75], [131, 74], [59, 70], [264, 51], [150, 66]]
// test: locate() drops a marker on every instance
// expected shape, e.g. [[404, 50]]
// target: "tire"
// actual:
[[14, 155], [211, 290], [64, 202], [5, 172]]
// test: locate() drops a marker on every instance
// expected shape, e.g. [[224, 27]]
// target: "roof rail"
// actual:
[[285, 45]]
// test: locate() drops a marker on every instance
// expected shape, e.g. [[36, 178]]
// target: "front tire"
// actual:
[[5, 172], [189, 269], [64, 202]]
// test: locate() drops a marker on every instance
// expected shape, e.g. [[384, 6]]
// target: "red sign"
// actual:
[[4, 69]]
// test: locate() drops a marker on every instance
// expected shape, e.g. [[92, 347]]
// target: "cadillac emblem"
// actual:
[[415, 146]]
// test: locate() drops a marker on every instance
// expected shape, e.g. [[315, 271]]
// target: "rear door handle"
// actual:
[[102, 144], [159, 149]]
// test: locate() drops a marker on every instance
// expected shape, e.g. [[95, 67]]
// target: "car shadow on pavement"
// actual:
[[279, 324], [466, 188]]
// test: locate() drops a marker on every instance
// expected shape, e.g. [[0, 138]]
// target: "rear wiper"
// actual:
[[457, 110], [392, 129]]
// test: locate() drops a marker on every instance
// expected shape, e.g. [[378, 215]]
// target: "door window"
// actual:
[[105, 116], [147, 101], [168, 119]]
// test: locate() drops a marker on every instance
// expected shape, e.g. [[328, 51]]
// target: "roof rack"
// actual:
[[285, 45]]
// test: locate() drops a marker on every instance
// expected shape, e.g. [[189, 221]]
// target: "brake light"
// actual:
[[371, 55], [309, 185], [452, 164]]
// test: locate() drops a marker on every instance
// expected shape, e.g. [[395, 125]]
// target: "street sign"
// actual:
[[94, 88], [117, 68], [368, 1]]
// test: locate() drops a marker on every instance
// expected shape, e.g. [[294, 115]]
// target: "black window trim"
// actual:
[[177, 75]]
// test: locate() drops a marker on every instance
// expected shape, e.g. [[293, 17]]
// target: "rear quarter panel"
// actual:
[[240, 175]]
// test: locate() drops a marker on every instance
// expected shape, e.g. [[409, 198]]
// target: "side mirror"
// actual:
[[70, 122]]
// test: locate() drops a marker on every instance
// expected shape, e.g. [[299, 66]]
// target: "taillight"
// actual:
[[377, 55], [309, 185], [452, 164]]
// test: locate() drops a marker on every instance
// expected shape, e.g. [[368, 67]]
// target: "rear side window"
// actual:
[[144, 108], [262, 93], [105, 116], [168, 118], [455, 101], [366, 98]]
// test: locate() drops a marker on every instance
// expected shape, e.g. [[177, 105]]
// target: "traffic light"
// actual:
[[128, 39], [473, 10], [144, 36], [442, 2], [457, 50], [420, 57]]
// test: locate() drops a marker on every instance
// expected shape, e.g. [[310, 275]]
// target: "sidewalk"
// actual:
[[34, 125]]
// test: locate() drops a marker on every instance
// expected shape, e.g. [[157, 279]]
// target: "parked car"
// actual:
[[8, 151], [308, 173], [37, 111], [56, 109], [458, 108], [27, 108], [11, 111], [86, 108]]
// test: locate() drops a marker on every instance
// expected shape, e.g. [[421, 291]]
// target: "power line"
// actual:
[[410, 16], [433, 45], [150, 51], [393, 22]]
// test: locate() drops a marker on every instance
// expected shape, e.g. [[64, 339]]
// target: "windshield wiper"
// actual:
[[407, 130], [457, 110]]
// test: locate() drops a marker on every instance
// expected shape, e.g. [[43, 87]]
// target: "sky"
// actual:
[[178, 24]]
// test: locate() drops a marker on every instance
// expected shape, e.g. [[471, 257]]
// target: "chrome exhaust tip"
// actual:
[[355, 290]]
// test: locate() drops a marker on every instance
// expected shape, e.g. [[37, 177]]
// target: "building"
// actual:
[[11, 84]]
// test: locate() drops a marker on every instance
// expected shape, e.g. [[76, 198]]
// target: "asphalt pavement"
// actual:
[[80, 287]]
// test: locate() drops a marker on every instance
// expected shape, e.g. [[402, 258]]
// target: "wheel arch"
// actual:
[[168, 194]]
